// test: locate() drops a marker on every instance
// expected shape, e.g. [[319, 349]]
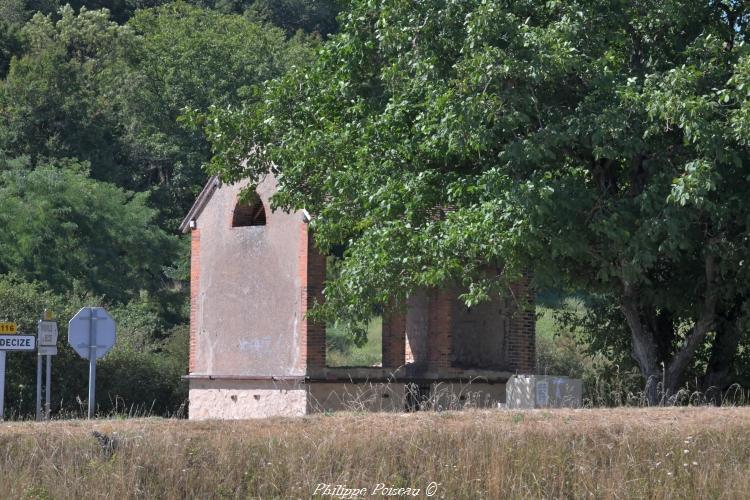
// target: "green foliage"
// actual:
[[9, 45], [200, 57], [88, 88], [191, 57], [53, 100], [74, 233], [599, 143]]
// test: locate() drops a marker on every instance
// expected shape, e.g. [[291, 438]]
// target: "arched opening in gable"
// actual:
[[251, 213]]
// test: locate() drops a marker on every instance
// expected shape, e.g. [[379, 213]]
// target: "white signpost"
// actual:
[[11, 341], [47, 339], [92, 333]]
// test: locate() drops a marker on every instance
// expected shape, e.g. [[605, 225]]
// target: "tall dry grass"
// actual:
[[619, 453]]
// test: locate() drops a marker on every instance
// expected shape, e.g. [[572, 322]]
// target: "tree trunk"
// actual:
[[728, 335], [704, 323], [663, 379], [644, 350]]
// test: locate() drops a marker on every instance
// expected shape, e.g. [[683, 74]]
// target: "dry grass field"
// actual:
[[621, 453]]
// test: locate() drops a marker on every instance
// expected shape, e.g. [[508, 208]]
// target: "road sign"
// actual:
[[92, 328], [8, 327], [91, 332], [48, 350], [47, 333], [17, 342]]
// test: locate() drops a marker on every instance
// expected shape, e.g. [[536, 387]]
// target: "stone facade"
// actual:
[[254, 353]]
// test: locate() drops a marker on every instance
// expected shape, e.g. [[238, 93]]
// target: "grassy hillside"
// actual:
[[653, 453]]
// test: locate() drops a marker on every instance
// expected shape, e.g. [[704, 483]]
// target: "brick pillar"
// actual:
[[439, 336], [195, 267], [522, 341], [312, 274], [394, 339]]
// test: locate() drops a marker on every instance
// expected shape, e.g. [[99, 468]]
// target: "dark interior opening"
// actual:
[[249, 214]]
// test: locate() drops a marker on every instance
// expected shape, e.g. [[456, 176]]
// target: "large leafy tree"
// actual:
[[601, 143], [64, 229]]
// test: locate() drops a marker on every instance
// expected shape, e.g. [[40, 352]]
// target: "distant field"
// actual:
[[639, 453]]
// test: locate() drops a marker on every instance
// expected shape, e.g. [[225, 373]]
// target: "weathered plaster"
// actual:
[[248, 302], [242, 399]]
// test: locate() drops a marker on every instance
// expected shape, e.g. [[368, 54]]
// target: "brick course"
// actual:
[[195, 266], [440, 330], [312, 274]]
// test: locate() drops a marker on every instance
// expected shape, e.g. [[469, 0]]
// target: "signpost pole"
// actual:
[[47, 388], [38, 386], [92, 361], [2, 384]]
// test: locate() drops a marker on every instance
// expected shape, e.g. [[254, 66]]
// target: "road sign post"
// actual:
[[92, 333], [47, 340], [10, 340], [38, 388], [2, 384], [92, 363]]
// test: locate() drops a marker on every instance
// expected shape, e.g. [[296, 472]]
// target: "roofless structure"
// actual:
[[254, 353]]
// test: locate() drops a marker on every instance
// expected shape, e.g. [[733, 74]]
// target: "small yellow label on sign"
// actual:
[[6, 327]]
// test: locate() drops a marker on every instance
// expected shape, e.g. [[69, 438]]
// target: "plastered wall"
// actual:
[[246, 309]]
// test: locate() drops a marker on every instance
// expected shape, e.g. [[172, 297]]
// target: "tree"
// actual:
[[601, 143], [54, 100], [9, 45], [62, 228], [88, 88]]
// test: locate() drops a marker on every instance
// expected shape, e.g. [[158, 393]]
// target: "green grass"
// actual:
[[341, 350]]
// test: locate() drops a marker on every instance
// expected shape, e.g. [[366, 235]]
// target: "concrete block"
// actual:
[[543, 391]]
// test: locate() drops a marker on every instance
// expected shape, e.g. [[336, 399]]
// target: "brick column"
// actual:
[[439, 339], [312, 274], [522, 335], [195, 266], [394, 339]]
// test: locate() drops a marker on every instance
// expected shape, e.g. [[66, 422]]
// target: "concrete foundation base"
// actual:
[[240, 399], [244, 399]]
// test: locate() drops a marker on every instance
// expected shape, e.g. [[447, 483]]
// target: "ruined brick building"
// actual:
[[253, 352]]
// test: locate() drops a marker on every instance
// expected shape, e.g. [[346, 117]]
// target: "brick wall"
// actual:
[[195, 266], [498, 335], [312, 274], [480, 334]]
